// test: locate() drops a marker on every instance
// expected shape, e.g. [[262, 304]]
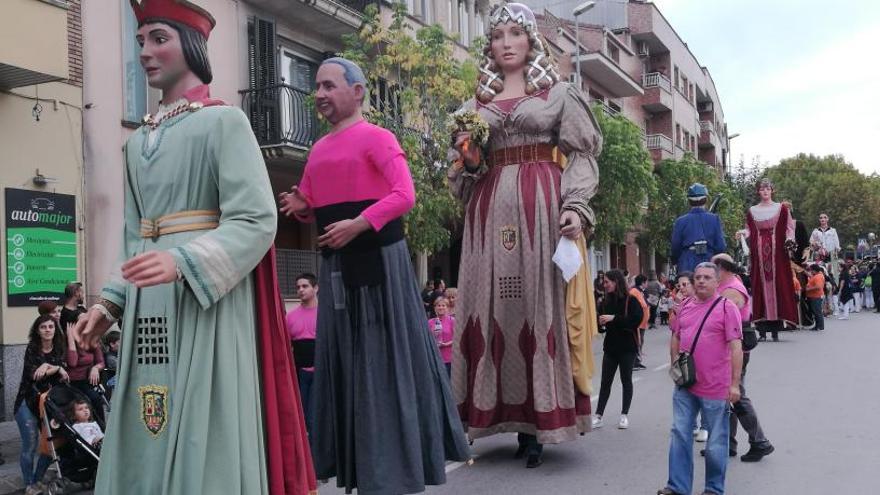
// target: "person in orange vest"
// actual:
[[637, 291]]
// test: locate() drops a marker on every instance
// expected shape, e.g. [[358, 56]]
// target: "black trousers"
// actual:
[[876, 291], [652, 318], [744, 413], [530, 442], [610, 363], [772, 326]]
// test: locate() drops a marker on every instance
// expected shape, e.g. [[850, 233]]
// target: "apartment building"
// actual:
[[633, 63], [41, 213]]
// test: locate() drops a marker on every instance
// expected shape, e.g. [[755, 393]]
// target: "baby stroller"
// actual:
[[74, 459]]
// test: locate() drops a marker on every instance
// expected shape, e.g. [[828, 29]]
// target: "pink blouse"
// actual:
[[361, 162]]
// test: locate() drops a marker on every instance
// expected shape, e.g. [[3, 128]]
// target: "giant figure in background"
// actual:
[[206, 400], [770, 230], [697, 235], [518, 364]]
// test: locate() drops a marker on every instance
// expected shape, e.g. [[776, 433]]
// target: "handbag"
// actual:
[[750, 338], [684, 369]]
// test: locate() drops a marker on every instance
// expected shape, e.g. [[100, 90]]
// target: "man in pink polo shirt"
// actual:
[[301, 324], [718, 359]]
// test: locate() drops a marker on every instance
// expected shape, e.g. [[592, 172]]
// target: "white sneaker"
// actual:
[[624, 422], [597, 421], [702, 435]]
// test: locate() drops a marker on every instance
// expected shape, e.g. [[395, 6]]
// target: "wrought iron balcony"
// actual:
[[281, 115]]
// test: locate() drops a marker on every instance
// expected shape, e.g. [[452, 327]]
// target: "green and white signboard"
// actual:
[[40, 246]]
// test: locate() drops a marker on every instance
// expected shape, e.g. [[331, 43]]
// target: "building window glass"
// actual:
[[463, 23], [450, 25], [135, 81], [426, 11]]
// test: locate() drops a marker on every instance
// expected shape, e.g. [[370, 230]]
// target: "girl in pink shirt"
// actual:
[[443, 329]]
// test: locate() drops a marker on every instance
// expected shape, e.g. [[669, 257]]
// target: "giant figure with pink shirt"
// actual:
[[385, 420]]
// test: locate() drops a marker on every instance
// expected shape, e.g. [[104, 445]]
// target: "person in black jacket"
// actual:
[[619, 318], [875, 284]]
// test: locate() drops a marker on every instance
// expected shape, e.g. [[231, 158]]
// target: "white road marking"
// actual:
[[661, 368]]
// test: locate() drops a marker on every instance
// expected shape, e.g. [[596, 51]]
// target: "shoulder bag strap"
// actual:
[[705, 317]]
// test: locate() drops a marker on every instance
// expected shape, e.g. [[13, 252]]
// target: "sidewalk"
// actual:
[[10, 446]]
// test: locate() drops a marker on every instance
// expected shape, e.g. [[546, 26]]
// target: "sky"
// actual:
[[793, 75]]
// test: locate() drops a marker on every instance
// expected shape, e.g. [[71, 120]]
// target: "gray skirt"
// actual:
[[385, 421]]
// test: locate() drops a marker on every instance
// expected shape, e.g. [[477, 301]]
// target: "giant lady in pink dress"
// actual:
[[512, 362]]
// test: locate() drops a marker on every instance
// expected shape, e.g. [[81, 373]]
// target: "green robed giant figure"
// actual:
[[195, 294]]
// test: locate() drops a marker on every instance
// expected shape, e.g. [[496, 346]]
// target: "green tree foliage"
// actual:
[[673, 178], [625, 178], [831, 185], [426, 84]]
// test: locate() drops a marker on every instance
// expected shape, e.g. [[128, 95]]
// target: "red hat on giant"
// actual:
[[186, 13]]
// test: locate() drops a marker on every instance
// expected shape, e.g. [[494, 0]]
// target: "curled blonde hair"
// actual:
[[540, 71]]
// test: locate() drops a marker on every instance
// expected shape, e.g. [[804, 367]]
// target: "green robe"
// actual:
[[187, 414]]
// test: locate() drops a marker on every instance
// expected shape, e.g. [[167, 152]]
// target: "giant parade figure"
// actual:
[[522, 361], [697, 235], [206, 400], [770, 231], [384, 417]]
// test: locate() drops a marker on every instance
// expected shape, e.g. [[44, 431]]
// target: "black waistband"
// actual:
[[360, 259], [371, 239]]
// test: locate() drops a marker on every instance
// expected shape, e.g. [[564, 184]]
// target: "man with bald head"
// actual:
[[385, 420]]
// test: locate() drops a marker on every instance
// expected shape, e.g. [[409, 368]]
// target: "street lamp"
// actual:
[[580, 9], [729, 154]]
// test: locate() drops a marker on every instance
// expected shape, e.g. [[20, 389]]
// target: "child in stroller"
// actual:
[[66, 411]]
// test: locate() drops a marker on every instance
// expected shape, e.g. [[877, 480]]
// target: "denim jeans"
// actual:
[[816, 306], [29, 428], [685, 406]]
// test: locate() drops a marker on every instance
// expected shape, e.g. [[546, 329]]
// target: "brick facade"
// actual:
[[75, 43]]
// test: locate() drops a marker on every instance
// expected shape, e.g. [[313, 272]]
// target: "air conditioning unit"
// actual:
[[642, 48]]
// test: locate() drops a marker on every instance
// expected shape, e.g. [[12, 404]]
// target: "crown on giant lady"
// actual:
[[182, 11]]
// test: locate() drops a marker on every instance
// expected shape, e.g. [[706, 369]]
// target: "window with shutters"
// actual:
[[299, 124], [261, 101]]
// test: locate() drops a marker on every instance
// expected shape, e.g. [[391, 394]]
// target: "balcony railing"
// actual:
[[658, 142], [280, 115], [359, 5], [609, 111], [656, 80], [706, 125]]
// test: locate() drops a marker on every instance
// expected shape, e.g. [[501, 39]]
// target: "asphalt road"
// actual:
[[818, 399]]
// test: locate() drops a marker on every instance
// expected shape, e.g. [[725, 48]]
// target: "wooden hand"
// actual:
[[89, 329], [339, 234], [469, 153], [570, 224], [150, 268], [293, 202]]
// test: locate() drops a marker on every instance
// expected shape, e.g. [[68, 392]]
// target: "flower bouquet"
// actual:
[[471, 122]]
